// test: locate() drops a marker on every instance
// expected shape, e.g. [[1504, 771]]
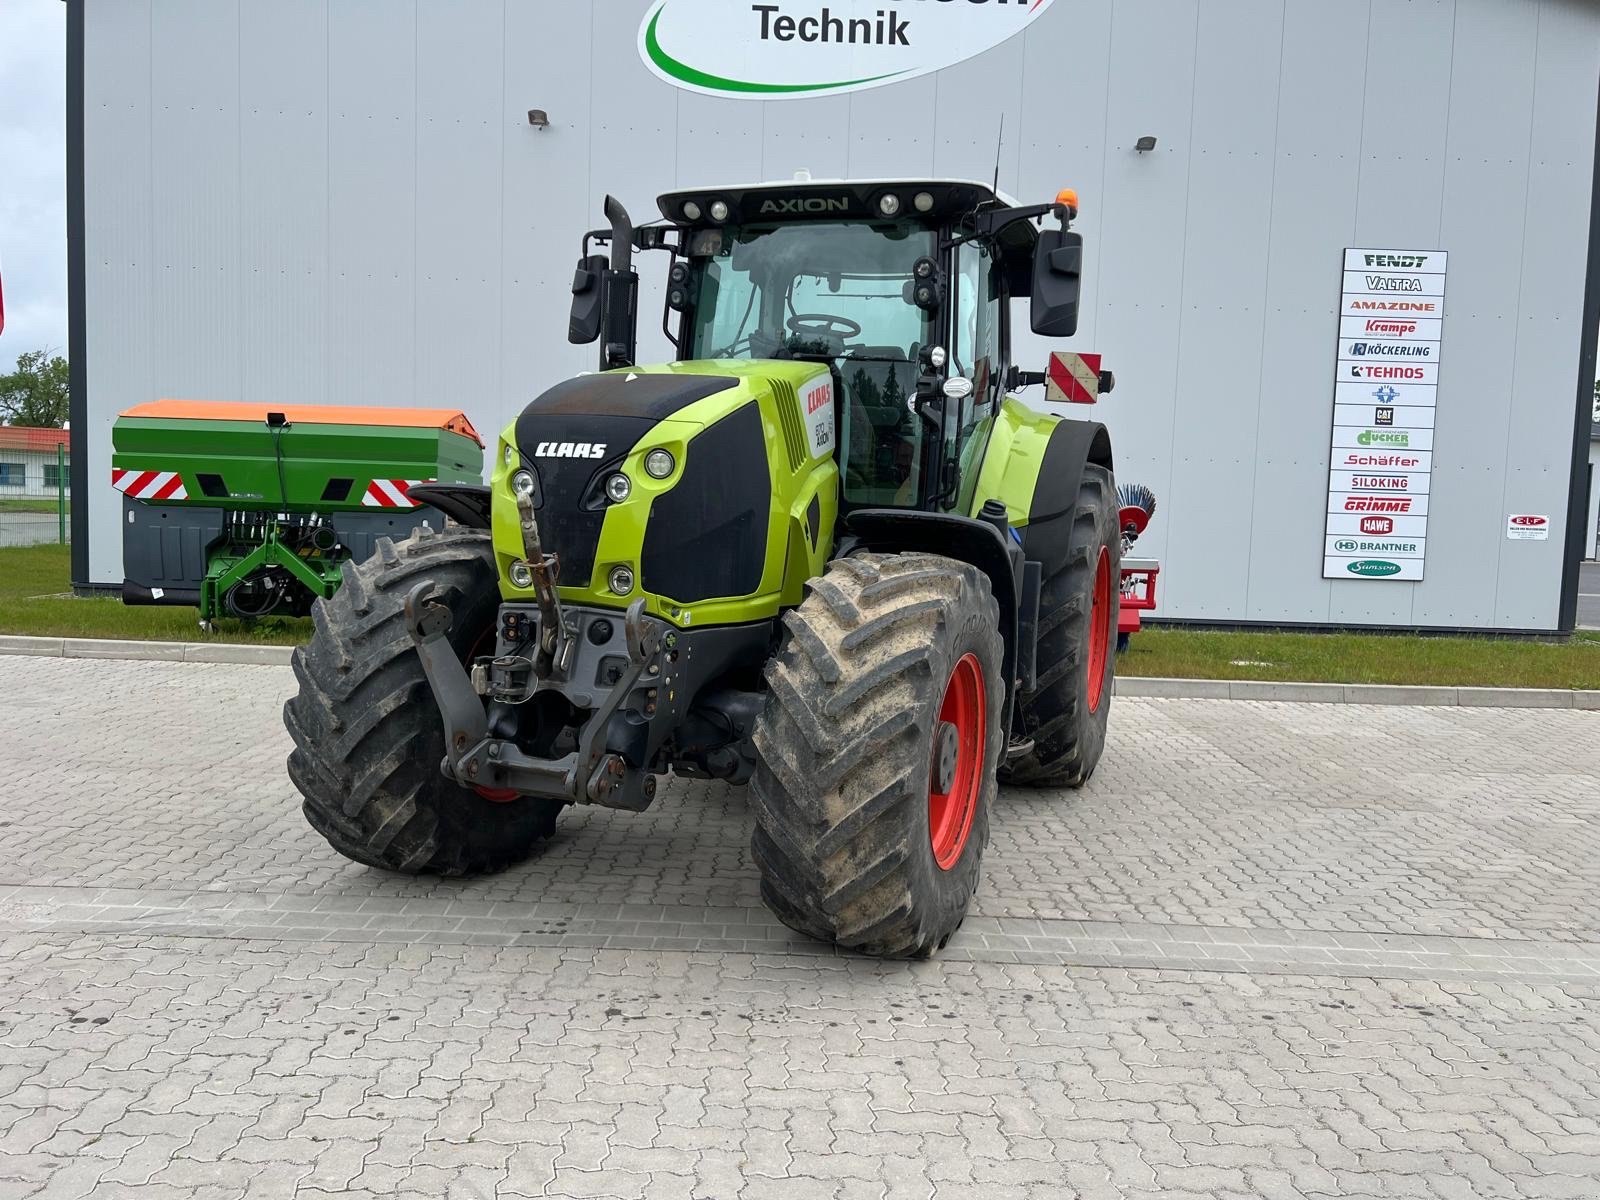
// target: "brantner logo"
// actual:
[[1373, 568], [790, 49]]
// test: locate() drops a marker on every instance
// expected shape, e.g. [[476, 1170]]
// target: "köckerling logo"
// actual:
[[1372, 568], [791, 49]]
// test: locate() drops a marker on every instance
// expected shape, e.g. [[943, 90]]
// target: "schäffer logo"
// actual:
[[791, 49]]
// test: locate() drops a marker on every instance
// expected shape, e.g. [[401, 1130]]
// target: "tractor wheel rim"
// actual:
[[950, 813], [1099, 629]]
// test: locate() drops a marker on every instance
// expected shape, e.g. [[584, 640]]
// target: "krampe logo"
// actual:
[[791, 49]]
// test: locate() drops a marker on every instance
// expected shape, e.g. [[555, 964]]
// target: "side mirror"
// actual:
[[1057, 282], [588, 295]]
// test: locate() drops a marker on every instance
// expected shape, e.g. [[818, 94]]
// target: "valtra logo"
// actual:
[[792, 49]]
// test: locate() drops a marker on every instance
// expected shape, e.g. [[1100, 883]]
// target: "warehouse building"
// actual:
[[31, 462], [1342, 255]]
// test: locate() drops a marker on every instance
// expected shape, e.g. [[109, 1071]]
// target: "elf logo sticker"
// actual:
[[570, 450], [793, 49], [1377, 524], [1372, 568], [1529, 522]]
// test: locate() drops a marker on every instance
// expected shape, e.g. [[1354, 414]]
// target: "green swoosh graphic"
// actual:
[[683, 71]]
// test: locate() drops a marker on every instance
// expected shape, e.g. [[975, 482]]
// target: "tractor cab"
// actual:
[[901, 288]]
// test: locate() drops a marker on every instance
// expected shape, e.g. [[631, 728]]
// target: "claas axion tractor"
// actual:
[[821, 551]]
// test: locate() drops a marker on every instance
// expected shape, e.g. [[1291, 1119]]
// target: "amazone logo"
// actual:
[[570, 450], [791, 49], [1373, 568]]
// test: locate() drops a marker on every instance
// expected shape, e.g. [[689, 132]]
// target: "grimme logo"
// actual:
[[792, 49], [1373, 568]]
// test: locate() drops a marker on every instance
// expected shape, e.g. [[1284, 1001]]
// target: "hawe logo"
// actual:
[[792, 49], [1377, 524]]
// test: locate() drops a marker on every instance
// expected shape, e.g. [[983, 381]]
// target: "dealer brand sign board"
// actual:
[[792, 49], [1386, 379]]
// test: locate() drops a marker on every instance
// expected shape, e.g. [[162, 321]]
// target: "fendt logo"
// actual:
[[794, 49], [570, 450], [1377, 524], [1410, 262]]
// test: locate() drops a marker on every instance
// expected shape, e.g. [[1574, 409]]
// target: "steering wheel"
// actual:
[[822, 325]]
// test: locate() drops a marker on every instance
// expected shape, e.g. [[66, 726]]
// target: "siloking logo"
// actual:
[[792, 49], [1372, 568], [1377, 524]]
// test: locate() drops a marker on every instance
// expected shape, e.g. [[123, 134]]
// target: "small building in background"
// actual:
[[30, 462]]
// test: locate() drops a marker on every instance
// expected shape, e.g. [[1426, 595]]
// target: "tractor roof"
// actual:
[[810, 199]]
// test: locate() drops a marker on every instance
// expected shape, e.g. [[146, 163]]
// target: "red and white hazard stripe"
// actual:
[[391, 493], [149, 485], [1072, 378]]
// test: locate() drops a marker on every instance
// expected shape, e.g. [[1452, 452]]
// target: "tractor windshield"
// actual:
[[838, 291]]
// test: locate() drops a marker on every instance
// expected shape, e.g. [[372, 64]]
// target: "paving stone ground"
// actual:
[[1272, 950]]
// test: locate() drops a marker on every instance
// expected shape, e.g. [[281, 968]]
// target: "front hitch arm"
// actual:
[[428, 623], [554, 657]]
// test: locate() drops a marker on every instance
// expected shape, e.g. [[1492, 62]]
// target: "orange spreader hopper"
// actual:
[[308, 414]]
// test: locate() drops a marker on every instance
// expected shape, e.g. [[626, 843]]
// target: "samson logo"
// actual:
[[1408, 261], [1393, 283], [1383, 504], [805, 204], [1377, 524], [1398, 328], [1412, 306], [570, 450], [1374, 568]]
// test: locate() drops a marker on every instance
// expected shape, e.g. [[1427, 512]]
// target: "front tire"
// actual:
[[1065, 714], [876, 754], [368, 740]]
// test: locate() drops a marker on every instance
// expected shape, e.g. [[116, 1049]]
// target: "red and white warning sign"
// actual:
[[390, 493], [1527, 527], [1072, 378], [149, 485]]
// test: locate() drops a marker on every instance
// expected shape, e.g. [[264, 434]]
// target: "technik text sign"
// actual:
[[791, 49]]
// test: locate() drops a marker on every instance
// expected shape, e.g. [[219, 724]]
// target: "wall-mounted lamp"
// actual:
[[540, 119], [1144, 145]]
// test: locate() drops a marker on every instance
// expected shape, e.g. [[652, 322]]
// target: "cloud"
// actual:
[[33, 180]]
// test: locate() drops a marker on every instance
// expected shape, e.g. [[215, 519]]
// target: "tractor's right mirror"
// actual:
[[1057, 282], [588, 296]]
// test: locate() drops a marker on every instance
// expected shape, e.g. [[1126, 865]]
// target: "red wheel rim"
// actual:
[[950, 813], [1100, 629]]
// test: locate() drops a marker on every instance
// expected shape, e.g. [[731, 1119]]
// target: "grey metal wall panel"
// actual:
[[372, 201], [1316, 150], [283, 202], [118, 199], [1486, 154], [1551, 297], [1223, 301], [341, 200]]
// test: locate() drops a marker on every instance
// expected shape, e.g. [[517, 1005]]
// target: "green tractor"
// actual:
[[822, 551]]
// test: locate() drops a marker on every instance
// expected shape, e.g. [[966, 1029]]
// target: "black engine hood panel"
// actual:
[[651, 397]]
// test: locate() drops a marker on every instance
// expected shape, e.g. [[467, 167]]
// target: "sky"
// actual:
[[33, 181]]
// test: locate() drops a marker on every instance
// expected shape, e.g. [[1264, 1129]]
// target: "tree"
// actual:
[[36, 392]]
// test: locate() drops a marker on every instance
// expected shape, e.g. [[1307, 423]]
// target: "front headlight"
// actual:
[[523, 483]]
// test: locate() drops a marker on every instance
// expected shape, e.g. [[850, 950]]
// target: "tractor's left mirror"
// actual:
[[588, 299]]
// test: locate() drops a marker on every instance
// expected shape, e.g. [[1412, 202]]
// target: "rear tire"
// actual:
[[888, 686], [1065, 714], [368, 741]]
